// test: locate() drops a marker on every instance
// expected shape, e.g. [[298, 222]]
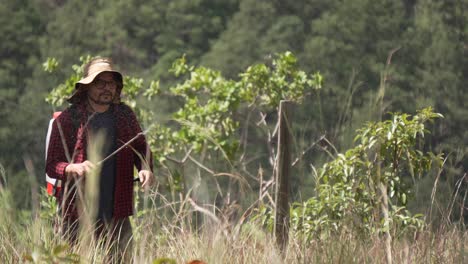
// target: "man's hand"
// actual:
[[79, 169], [146, 178]]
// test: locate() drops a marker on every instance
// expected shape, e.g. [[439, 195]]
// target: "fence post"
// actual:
[[283, 168]]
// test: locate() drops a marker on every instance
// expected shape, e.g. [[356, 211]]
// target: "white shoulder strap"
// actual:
[[49, 131]]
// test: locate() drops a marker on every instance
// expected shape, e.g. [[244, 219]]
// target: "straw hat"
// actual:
[[91, 71]]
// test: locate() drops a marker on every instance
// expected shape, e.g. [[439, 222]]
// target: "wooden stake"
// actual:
[[283, 169]]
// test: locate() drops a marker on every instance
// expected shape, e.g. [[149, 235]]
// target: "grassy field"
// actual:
[[334, 226], [165, 237]]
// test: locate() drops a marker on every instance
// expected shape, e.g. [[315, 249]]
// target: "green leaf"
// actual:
[[50, 65], [164, 261], [59, 249], [28, 257]]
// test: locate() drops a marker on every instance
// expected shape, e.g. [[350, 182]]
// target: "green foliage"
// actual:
[[50, 65], [348, 188], [49, 206], [266, 86], [153, 89], [210, 101], [22, 25], [240, 43], [63, 91], [164, 261], [58, 254]]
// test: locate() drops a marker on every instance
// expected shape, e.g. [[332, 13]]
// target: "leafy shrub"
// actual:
[[350, 190]]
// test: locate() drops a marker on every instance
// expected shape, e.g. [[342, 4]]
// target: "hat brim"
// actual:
[[89, 79]]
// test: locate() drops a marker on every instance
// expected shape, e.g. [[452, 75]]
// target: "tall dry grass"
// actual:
[[166, 229], [181, 229]]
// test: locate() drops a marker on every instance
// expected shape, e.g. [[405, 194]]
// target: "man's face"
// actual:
[[103, 89]]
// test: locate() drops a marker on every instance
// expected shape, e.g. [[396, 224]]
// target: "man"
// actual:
[[96, 117]]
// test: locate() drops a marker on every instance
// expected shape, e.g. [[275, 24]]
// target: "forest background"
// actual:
[[420, 44]]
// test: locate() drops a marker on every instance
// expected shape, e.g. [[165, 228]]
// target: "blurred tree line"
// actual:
[[420, 46]]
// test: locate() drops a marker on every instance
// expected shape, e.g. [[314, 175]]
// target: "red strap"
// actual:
[[56, 114]]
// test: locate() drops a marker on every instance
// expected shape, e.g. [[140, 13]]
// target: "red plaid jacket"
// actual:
[[68, 144]]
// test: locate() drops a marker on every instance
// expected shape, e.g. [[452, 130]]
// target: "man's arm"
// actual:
[[143, 158], [61, 146], [58, 153]]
